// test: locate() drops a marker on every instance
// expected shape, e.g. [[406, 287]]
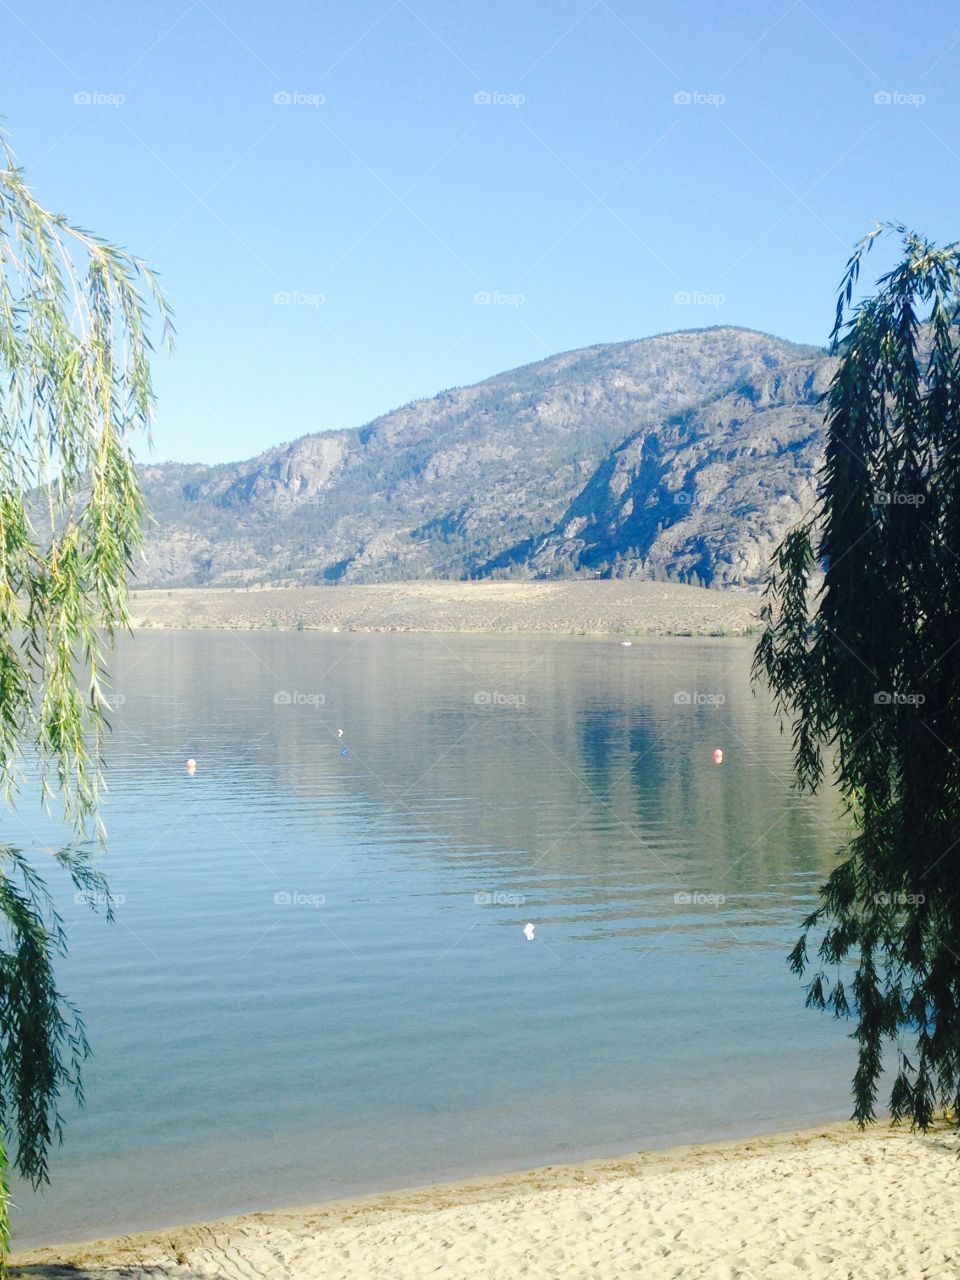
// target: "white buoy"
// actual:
[[528, 931], [191, 765]]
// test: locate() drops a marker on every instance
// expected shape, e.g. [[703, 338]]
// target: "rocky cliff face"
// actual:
[[709, 491], [685, 453]]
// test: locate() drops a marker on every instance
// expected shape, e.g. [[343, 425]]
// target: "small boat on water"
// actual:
[[626, 644]]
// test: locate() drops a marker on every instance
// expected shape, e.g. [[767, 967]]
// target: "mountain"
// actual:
[[687, 453], [707, 492]]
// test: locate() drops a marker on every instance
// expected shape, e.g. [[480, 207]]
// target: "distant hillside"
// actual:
[[683, 454]]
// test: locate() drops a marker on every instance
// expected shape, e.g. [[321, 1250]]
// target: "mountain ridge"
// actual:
[[482, 479]]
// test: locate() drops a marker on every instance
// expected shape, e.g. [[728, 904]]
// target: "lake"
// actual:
[[319, 981]]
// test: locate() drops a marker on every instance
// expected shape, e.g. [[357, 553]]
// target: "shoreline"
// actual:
[[619, 607], [653, 1197]]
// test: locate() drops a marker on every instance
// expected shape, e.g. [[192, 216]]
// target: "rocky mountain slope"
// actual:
[[687, 453], [708, 492]]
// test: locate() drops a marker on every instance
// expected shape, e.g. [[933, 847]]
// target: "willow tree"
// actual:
[[866, 666], [74, 390]]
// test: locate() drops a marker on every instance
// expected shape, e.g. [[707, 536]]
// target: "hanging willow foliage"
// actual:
[[74, 390], [867, 669]]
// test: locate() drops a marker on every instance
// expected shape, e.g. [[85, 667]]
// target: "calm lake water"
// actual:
[[318, 982]]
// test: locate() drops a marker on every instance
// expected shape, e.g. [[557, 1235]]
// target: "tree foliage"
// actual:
[[74, 390], [867, 669]]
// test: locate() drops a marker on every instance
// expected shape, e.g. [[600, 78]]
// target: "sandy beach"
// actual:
[[829, 1202]]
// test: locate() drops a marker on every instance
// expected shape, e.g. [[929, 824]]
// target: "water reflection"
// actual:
[[319, 981]]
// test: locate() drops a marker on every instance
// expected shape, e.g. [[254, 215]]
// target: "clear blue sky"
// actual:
[[582, 198]]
